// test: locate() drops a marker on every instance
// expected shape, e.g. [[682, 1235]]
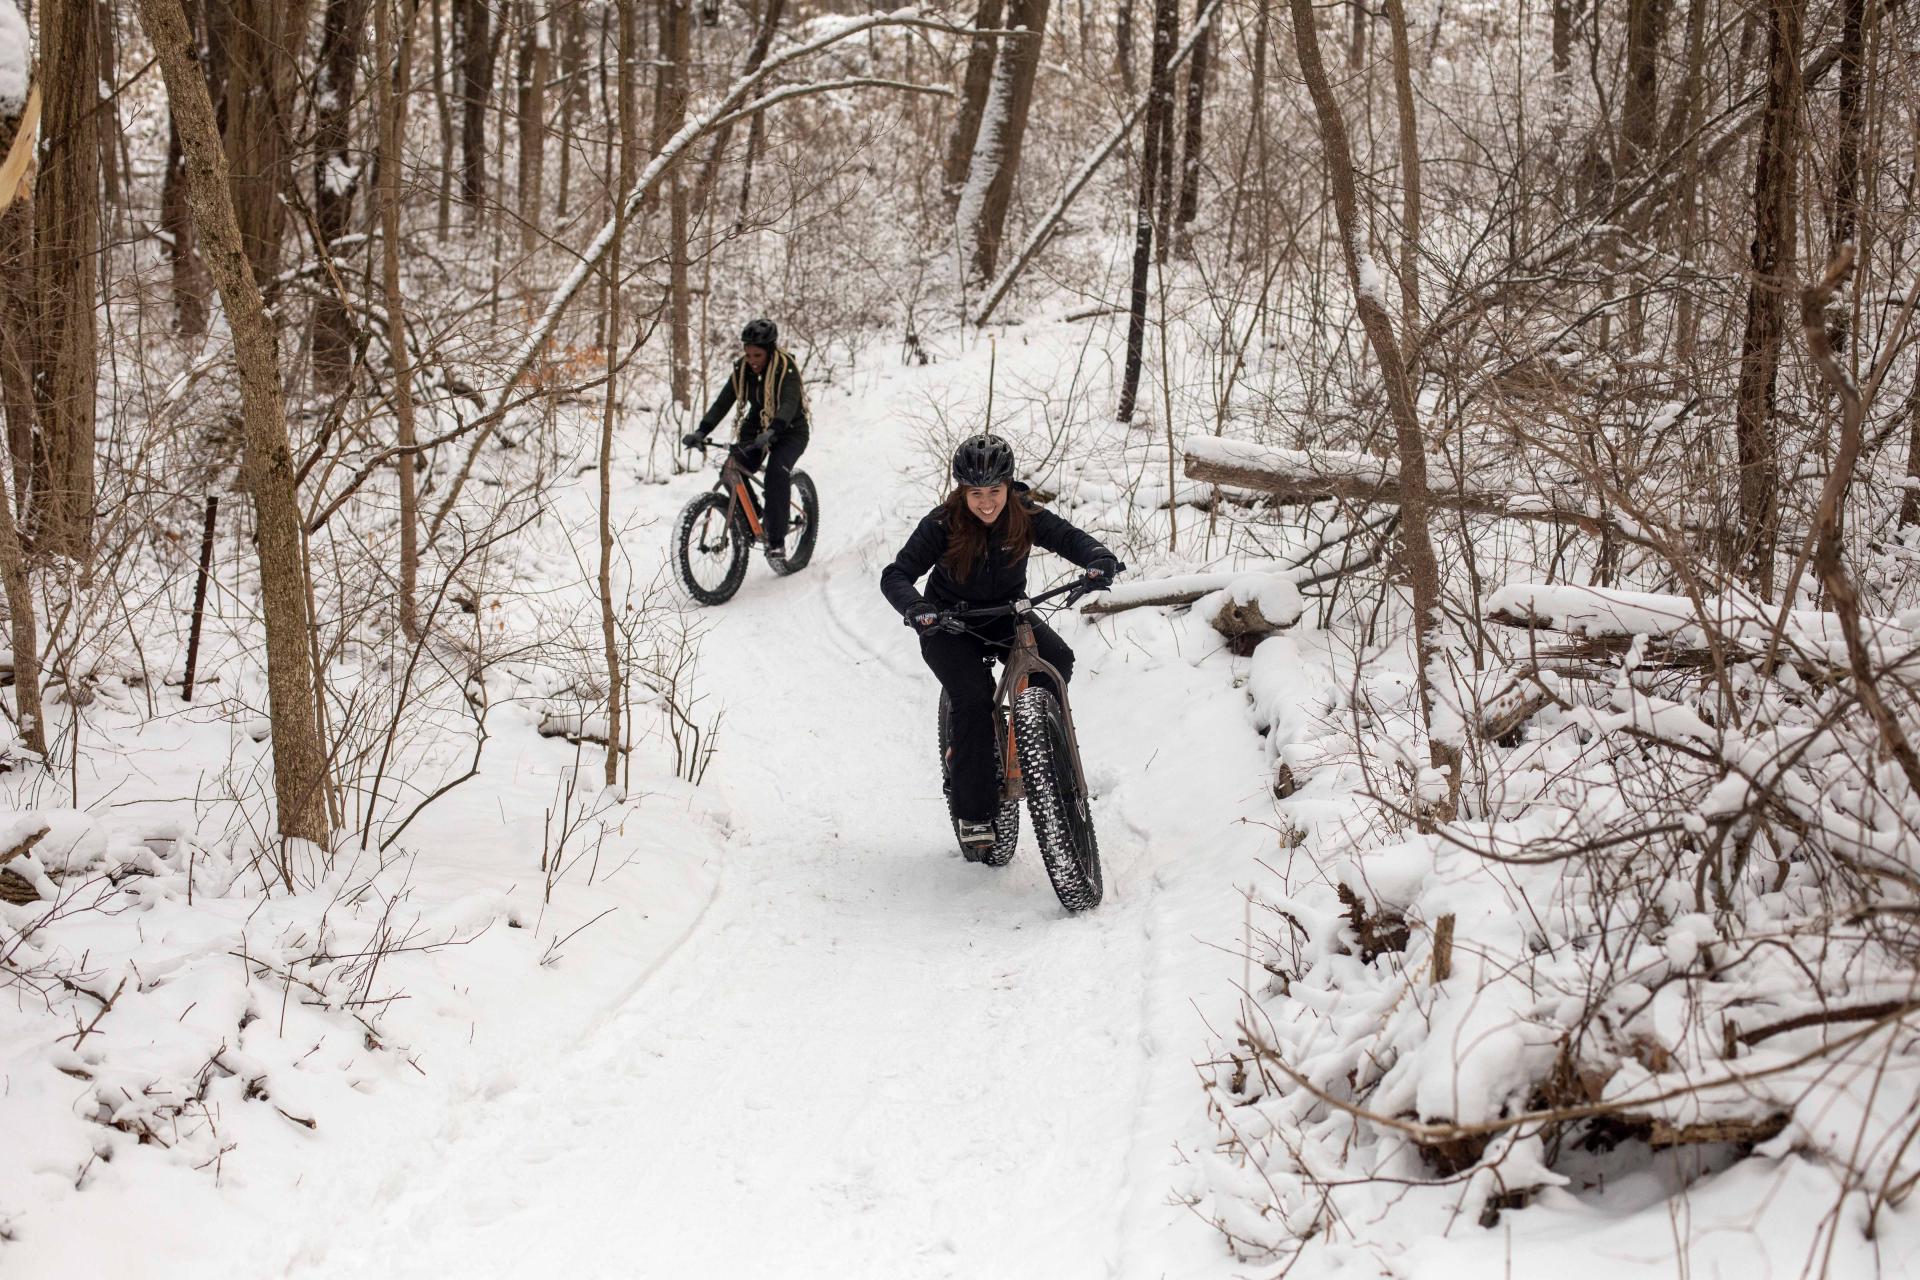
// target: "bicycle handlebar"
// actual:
[[1077, 588]]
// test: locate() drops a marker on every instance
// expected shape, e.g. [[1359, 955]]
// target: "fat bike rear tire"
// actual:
[[1062, 814], [803, 525], [1006, 823]]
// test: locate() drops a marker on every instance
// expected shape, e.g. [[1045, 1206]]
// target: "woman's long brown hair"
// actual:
[[967, 537]]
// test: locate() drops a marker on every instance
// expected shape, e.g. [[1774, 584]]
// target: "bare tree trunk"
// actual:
[[262, 41], [1562, 95], [1774, 199], [299, 755], [573, 94], [1640, 104], [443, 109], [1191, 147], [973, 99], [1123, 45], [473, 40], [19, 321], [756, 54], [111, 138], [1851, 126], [1416, 544], [1166, 16], [1357, 43], [676, 48], [536, 55], [391, 96], [189, 276], [16, 399], [609, 631], [1409, 182], [336, 175], [984, 203], [66, 237]]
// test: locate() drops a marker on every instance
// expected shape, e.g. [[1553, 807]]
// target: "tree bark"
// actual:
[[1003, 126], [676, 50], [1166, 15], [390, 91], [336, 175], [473, 41], [1851, 111], [443, 110], [299, 755], [1640, 103], [16, 399], [262, 38], [609, 630], [973, 99], [1772, 262], [536, 56], [1123, 45], [1191, 146], [1416, 544], [66, 238], [573, 96], [1409, 182]]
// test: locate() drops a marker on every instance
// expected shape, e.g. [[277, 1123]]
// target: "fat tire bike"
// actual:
[[1036, 754], [717, 531]]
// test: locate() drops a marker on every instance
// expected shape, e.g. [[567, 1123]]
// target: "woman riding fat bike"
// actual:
[[765, 392], [976, 545]]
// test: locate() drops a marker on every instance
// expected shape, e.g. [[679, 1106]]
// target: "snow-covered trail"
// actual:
[[869, 1057]]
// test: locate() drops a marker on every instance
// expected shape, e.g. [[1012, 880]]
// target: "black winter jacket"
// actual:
[[749, 389], [995, 582]]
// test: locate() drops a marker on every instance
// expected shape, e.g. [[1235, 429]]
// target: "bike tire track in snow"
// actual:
[[868, 1057]]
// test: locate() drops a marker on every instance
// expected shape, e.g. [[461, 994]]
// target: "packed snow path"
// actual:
[[868, 1056]]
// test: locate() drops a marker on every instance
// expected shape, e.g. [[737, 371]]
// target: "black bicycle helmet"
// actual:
[[760, 333], [982, 460]]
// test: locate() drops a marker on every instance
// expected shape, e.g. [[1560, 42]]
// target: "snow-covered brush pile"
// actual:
[[1674, 926], [164, 994]]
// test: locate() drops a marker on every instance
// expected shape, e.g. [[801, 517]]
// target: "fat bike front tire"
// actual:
[[1006, 822], [1062, 814], [710, 550]]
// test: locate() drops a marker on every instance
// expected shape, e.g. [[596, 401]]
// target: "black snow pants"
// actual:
[[786, 449], [962, 664]]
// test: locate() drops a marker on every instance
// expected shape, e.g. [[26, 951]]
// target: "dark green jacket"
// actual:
[[785, 408]]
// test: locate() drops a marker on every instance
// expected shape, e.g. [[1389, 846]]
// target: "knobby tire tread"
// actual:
[[1006, 823], [1068, 846], [682, 551]]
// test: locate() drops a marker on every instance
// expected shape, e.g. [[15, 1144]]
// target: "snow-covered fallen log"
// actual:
[[1244, 607], [1293, 475], [1715, 629]]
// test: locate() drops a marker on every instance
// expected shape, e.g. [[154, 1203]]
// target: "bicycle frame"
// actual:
[[737, 483]]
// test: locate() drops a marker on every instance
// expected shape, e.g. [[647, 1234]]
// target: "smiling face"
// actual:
[[987, 502], [756, 358]]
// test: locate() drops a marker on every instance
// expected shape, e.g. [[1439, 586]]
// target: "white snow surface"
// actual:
[[810, 1040], [14, 58]]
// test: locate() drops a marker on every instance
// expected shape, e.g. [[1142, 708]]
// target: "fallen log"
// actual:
[[1294, 476]]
